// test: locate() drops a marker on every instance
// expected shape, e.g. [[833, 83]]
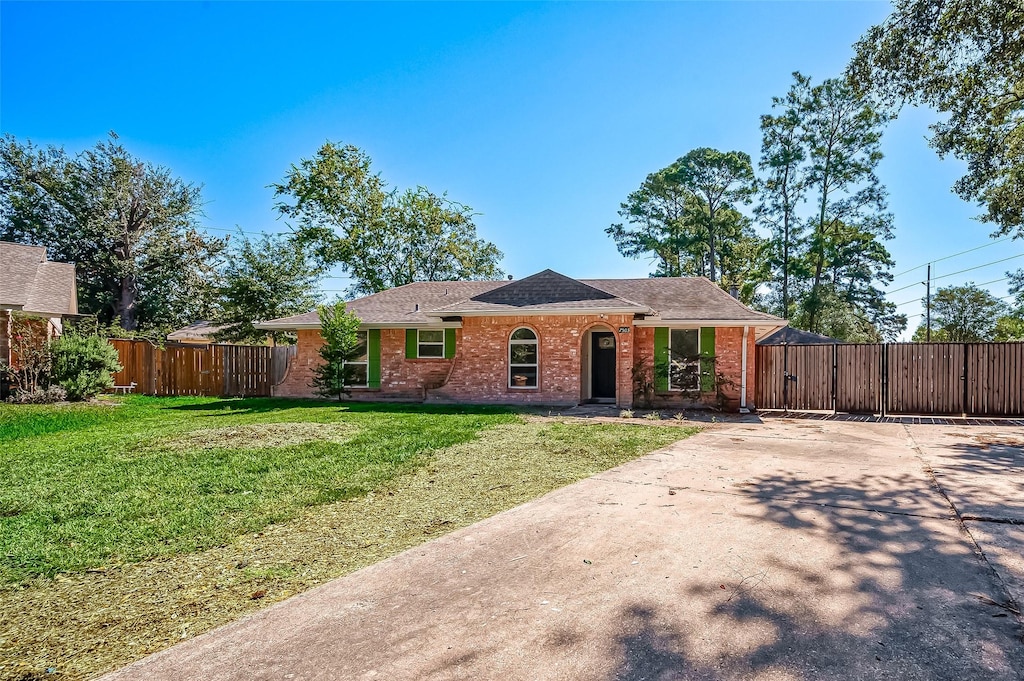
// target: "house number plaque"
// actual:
[[623, 329]]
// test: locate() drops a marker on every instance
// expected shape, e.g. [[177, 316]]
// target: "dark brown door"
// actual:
[[602, 365]]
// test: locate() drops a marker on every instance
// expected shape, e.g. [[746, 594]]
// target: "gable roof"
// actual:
[[662, 300], [546, 291], [790, 336], [199, 331], [31, 283]]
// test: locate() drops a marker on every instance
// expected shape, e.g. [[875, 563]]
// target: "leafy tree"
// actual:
[[842, 132], [784, 186], [965, 59], [963, 314], [716, 181], [339, 329], [272, 277], [684, 218], [1009, 327], [130, 227], [382, 238], [82, 365]]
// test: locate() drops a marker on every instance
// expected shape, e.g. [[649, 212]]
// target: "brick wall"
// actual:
[[479, 371], [728, 362]]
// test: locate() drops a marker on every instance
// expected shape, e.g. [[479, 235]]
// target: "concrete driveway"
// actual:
[[785, 550]]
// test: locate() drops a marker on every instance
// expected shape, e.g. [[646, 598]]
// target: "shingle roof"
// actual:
[[668, 298], [31, 283], [201, 330], [547, 290], [683, 299], [790, 336]]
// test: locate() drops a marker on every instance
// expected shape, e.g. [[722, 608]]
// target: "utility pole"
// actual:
[[928, 305]]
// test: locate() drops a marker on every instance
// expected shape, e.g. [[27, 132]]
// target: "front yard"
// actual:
[[130, 525]]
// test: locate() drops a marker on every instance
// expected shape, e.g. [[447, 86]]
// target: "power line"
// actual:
[[984, 283], [947, 257], [951, 274]]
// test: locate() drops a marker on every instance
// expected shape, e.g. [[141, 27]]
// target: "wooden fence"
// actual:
[[215, 370], [977, 379]]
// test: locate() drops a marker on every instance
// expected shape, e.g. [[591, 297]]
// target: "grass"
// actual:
[[129, 526]]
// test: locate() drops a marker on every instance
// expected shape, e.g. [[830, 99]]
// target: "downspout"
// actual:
[[743, 378]]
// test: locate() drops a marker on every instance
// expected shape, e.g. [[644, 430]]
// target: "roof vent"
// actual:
[[510, 277], [734, 291], [446, 291], [416, 308]]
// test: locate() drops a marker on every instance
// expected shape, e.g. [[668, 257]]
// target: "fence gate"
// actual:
[[977, 379]]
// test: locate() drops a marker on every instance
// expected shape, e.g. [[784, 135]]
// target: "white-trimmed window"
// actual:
[[357, 367], [522, 359], [684, 360], [430, 343]]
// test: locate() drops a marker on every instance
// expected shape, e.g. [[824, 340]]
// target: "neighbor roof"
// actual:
[[31, 283], [790, 336], [662, 299], [201, 330]]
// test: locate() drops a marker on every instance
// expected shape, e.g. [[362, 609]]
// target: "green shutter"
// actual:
[[410, 344], [707, 359], [449, 343], [373, 358], [661, 359]]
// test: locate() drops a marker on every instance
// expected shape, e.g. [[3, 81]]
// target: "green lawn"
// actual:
[[140, 477], [130, 525]]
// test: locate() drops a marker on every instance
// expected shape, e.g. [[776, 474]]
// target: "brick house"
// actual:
[[36, 287], [547, 340]]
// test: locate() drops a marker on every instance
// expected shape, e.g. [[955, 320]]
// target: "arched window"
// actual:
[[522, 359]]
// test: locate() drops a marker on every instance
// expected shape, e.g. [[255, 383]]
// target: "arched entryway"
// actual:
[[599, 365]]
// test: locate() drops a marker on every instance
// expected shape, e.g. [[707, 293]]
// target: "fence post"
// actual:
[[835, 378], [963, 377], [785, 376], [884, 397]]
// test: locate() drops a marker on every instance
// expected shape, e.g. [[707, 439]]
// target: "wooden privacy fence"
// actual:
[[214, 370], [977, 379]]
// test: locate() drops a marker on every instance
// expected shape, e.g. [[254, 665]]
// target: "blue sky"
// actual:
[[542, 117]]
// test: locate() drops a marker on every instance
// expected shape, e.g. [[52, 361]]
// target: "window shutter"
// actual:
[[661, 359], [449, 343], [707, 359], [410, 344], [373, 358]]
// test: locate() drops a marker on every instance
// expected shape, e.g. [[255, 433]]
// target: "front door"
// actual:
[[602, 365]]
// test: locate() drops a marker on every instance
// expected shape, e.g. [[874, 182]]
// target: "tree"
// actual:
[[784, 187], [130, 227], [963, 314], [339, 329], [841, 132], [272, 277], [684, 217], [717, 181], [381, 238], [965, 59]]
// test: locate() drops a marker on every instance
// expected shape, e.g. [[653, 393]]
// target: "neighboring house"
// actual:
[[546, 339], [199, 333], [790, 336], [31, 284]]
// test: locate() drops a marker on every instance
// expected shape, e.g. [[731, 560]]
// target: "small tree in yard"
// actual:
[[31, 357], [83, 365], [339, 329]]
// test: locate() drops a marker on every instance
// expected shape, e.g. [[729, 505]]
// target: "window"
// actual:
[[522, 359], [684, 359], [430, 343], [356, 368]]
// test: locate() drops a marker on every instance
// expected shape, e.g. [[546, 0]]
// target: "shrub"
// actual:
[[54, 393], [626, 414], [653, 416], [83, 365]]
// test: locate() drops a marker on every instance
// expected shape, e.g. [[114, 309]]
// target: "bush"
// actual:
[[54, 393], [83, 365]]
